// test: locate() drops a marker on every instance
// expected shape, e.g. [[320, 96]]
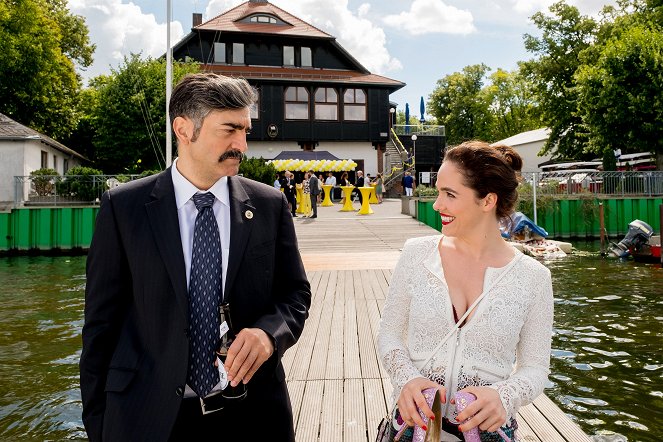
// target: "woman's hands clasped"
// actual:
[[411, 400], [486, 412]]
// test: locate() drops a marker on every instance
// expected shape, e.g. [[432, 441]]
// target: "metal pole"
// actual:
[[660, 230], [169, 86], [602, 227], [534, 185]]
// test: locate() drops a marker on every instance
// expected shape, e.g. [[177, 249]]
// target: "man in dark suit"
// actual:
[[288, 186], [313, 183], [359, 183], [146, 338]]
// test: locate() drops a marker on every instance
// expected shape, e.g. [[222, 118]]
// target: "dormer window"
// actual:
[[262, 19], [267, 19]]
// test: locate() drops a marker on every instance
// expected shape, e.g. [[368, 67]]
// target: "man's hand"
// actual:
[[250, 349]]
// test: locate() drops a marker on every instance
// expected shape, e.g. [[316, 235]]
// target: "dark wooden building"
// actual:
[[313, 94]]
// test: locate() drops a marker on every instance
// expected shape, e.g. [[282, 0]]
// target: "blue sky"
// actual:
[[414, 41]]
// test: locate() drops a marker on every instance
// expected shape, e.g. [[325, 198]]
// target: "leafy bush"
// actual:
[[257, 170], [81, 183], [145, 173], [44, 180], [425, 191]]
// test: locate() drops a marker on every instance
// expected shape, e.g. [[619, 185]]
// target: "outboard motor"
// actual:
[[638, 234]]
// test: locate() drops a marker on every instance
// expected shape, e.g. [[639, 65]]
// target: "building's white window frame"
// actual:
[[238, 53], [355, 105], [326, 104], [306, 57], [220, 52], [296, 102]]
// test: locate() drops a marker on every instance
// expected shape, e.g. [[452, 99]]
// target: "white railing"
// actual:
[[56, 190]]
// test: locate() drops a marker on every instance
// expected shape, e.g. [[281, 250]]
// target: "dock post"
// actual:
[[602, 227]]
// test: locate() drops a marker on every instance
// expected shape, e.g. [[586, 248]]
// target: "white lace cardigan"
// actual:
[[505, 344]]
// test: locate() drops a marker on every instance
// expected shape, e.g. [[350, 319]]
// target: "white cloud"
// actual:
[[358, 35], [432, 17], [119, 29]]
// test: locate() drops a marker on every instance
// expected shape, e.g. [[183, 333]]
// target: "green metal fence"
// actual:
[[47, 229], [579, 217]]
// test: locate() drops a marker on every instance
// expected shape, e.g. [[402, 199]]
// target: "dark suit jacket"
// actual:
[[313, 185], [287, 190], [135, 337]]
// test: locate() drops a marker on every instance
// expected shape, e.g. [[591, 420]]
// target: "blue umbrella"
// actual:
[[422, 109], [407, 118]]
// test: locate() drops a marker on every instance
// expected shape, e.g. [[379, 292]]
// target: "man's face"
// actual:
[[219, 147]]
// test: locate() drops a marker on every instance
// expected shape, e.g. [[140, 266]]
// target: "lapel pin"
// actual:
[[248, 214]]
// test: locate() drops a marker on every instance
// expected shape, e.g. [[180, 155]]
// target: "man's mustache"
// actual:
[[233, 154]]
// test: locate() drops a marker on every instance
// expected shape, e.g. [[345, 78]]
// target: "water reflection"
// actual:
[[607, 360], [40, 326]]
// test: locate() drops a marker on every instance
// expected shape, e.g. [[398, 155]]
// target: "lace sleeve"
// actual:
[[392, 335], [533, 351]]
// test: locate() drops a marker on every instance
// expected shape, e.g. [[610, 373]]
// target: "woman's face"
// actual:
[[459, 207]]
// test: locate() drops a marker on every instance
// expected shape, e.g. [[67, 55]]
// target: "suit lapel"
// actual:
[[162, 213], [241, 222]]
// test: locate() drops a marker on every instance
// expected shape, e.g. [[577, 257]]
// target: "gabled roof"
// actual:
[[531, 136], [231, 21], [11, 130], [290, 74]]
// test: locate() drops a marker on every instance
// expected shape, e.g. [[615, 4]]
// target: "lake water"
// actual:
[[607, 364]]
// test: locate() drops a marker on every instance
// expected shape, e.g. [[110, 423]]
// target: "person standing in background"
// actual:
[[288, 186], [314, 185]]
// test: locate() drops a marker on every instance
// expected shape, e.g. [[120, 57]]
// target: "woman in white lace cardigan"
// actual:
[[501, 352]]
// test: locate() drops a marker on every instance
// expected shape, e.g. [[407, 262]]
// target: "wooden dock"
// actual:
[[338, 388]]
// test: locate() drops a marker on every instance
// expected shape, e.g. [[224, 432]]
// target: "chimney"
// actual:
[[258, 1], [197, 19]]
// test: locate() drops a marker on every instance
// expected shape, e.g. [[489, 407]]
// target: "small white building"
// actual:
[[528, 145], [24, 150]]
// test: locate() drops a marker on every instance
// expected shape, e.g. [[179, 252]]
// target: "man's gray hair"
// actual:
[[196, 95]]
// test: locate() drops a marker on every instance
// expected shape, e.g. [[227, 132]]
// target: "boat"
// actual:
[[639, 242]]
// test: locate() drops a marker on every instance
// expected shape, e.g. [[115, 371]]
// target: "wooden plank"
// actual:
[[331, 422], [308, 425], [351, 366], [320, 349], [367, 356], [564, 425], [524, 433], [374, 321], [349, 289], [354, 414], [296, 392], [387, 390], [375, 406], [358, 288], [334, 368], [539, 424]]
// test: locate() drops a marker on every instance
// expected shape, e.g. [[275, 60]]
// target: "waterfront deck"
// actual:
[[338, 388]]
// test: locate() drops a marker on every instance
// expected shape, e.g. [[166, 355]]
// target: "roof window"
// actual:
[[264, 18]]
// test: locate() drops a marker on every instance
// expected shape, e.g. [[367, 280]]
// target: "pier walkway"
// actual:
[[339, 390]]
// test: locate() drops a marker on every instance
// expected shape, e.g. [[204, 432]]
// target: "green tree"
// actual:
[[258, 170], [621, 94], [565, 35], [129, 115], [512, 104], [41, 43], [460, 104]]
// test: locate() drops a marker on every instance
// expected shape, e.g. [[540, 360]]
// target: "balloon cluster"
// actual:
[[315, 165]]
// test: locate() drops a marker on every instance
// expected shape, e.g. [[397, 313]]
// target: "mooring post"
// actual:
[[602, 227]]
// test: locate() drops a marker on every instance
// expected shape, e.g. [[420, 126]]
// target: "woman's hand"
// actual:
[[412, 400], [486, 412]]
